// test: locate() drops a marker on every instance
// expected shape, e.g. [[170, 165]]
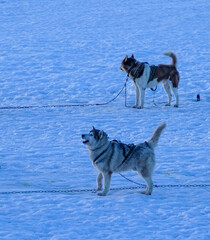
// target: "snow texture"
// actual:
[[69, 52]]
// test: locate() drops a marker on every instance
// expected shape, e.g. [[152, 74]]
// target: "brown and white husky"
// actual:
[[146, 76]]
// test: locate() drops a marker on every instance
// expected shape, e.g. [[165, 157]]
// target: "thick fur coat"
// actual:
[[113, 157]]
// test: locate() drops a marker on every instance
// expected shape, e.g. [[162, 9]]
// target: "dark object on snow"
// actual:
[[198, 98]]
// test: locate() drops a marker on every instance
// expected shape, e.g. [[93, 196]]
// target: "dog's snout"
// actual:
[[83, 135]]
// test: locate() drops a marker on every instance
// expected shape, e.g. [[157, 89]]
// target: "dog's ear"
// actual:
[[132, 56], [93, 129], [101, 134], [125, 59]]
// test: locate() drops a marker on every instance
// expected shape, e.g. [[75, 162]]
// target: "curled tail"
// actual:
[[173, 56], [156, 135]]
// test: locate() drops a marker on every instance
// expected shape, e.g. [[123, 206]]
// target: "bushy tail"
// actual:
[[156, 135], [173, 56]]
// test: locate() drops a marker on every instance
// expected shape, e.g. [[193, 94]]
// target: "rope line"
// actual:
[[66, 105], [75, 105]]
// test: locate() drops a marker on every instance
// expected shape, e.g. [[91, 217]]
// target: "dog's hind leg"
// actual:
[[149, 183], [174, 82], [175, 91], [146, 175], [168, 91], [107, 181], [99, 181]]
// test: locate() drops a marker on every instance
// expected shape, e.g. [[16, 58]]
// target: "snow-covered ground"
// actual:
[[69, 52]]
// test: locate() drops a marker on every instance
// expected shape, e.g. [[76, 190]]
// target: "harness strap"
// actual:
[[139, 69], [131, 146], [147, 144], [153, 89], [128, 155], [153, 70], [100, 155]]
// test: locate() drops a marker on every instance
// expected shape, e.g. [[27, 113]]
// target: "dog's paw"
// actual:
[[143, 192], [137, 107], [175, 105], [102, 194], [146, 193], [167, 104]]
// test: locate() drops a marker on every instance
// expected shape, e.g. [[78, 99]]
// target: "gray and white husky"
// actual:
[[113, 157], [146, 76]]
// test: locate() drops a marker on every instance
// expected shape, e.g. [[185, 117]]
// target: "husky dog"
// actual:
[[114, 157], [146, 76]]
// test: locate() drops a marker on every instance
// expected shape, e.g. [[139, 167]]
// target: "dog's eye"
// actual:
[[91, 133]]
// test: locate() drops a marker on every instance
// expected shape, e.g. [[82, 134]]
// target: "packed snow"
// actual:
[[69, 52]]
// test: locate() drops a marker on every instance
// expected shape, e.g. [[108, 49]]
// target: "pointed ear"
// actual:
[[132, 56], [125, 59], [93, 128], [101, 134]]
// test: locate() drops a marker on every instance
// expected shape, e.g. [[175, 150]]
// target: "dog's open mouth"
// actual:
[[86, 141]]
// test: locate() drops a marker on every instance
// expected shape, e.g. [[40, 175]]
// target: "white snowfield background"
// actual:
[[69, 52]]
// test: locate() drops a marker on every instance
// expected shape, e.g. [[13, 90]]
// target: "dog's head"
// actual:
[[94, 139], [127, 63]]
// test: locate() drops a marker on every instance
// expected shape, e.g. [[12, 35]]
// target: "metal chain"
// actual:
[[113, 189], [165, 186], [48, 191], [182, 185]]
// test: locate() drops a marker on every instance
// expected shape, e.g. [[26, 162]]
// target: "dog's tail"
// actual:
[[173, 56], [156, 135]]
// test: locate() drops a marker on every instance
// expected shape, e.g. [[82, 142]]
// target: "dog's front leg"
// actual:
[[107, 181], [142, 90], [99, 181], [137, 96]]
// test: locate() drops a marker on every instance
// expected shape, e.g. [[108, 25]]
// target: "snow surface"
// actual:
[[69, 52]]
